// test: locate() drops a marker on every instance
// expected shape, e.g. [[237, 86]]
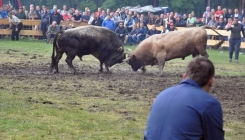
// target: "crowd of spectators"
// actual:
[[130, 26]]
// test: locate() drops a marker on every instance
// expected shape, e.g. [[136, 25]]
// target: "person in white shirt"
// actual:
[[16, 26], [164, 30]]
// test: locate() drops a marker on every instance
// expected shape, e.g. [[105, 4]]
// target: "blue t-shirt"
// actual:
[[108, 24], [185, 112]]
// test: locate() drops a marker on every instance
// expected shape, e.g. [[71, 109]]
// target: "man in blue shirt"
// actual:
[[108, 23], [141, 33], [187, 111]]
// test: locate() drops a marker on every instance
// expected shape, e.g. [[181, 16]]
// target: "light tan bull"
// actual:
[[160, 48]]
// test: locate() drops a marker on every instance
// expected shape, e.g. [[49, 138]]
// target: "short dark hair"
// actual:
[[201, 70], [235, 17]]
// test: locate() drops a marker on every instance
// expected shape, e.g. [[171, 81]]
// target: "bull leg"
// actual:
[[57, 59], [107, 68], [161, 63], [101, 66], [69, 63], [202, 51], [143, 69]]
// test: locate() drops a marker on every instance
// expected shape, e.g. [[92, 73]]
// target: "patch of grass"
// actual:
[[80, 107]]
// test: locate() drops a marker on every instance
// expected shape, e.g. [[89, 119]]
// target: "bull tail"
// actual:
[[222, 40]]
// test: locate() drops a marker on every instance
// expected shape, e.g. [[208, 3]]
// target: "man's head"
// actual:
[[235, 20], [153, 27], [236, 11], [141, 24], [121, 25], [220, 20], [54, 23], [201, 70], [64, 7], [20, 9], [219, 8], [99, 9], [134, 27], [31, 10]]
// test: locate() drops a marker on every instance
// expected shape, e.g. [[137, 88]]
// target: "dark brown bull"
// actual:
[[160, 48], [98, 41]]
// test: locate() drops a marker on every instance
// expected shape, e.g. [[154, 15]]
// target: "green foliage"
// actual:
[[87, 3]]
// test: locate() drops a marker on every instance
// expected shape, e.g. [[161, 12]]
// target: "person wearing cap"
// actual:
[[16, 25]]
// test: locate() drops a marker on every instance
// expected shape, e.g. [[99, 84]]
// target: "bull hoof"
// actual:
[[100, 71]]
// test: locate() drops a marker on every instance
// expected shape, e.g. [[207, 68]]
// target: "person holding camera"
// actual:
[[235, 38]]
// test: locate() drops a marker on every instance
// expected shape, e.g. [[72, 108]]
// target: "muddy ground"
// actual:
[[122, 82]]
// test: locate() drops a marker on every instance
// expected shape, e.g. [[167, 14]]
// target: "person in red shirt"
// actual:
[[219, 13], [66, 17], [99, 12]]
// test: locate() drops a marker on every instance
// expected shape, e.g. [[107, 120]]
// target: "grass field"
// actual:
[[92, 106]]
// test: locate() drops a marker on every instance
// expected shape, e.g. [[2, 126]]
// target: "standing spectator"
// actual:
[[136, 17], [229, 14], [97, 20], [85, 17], [16, 26], [66, 16], [171, 17], [21, 14], [152, 31], [188, 111], [238, 15], [121, 32], [32, 15], [70, 12], [235, 38], [207, 14], [44, 22], [99, 12], [185, 17], [77, 17], [141, 33], [180, 22], [108, 11], [53, 29], [55, 16], [152, 19], [131, 36], [108, 23], [103, 15], [117, 18], [64, 10], [38, 12], [123, 14], [158, 21], [52, 10], [129, 23], [162, 20], [219, 13]]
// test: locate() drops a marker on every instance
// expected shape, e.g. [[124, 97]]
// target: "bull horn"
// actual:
[[120, 49]]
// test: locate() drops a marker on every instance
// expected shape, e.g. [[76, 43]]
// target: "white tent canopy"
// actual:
[[148, 8]]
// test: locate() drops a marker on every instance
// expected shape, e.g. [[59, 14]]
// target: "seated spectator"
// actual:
[[53, 29], [212, 23], [152, 31], [32, 14], [190, 21], [170, 23], [108, 23], [179, 22], [86, 17], [63, 28], [131, 36], [64, 10], [151, 19], [77, 17], [97, 20], [66, 16], [158, 21], [71, 13], [172, 28], [99, 12], [198, 23], [221, 24], [141, 33], [229, 22], [21, 14], [136, 17], [121, 31], [164, 30], [129, 22]]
